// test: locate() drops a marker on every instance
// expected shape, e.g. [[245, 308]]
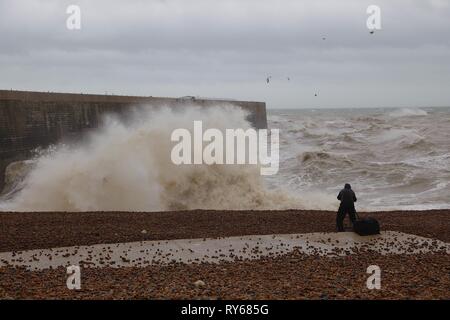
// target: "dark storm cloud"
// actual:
[[226, 48]]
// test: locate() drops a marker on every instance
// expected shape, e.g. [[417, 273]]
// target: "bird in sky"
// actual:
[[268, 79]]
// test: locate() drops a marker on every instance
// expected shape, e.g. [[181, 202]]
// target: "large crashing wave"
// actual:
[[127, 167]]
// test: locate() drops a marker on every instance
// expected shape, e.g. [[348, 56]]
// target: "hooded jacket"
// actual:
[[347, 198]]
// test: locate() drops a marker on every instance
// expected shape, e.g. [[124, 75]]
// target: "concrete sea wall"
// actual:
[[36, 119]]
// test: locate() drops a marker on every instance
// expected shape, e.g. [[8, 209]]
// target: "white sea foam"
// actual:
[[127, 167], [392, 163], [408, 112]]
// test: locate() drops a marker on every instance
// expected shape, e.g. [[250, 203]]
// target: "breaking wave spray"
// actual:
[[127, 167]]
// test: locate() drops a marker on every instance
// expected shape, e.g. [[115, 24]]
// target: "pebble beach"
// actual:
[[289, 274]]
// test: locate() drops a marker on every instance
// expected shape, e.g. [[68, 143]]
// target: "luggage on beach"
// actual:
[[366, 226]]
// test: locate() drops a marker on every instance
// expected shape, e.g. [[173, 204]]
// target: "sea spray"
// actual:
[[127, 167]]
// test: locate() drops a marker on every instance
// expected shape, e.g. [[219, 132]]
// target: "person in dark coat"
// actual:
[[348, 199]]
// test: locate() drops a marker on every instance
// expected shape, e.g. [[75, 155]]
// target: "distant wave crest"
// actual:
[[408, 112]]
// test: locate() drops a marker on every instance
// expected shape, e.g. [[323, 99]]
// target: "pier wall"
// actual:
[[29, 120]]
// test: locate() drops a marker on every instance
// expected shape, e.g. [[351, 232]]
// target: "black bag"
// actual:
[[366, 226]]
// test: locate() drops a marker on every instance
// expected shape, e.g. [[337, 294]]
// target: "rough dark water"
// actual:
[[394, 158]]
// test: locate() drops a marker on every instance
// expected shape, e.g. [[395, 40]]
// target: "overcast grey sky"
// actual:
[[227, 48]]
